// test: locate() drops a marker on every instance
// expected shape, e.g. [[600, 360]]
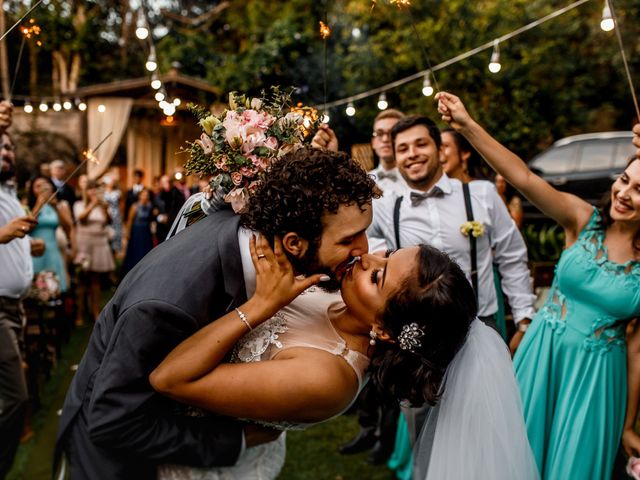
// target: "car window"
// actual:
[[624, 151], [556, 160], [596, 154]]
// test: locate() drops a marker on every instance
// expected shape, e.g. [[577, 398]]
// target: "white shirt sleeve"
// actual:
[[375, 232], [510, 254]]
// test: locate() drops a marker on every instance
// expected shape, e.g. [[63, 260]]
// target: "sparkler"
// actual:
[[28, 32], [21, 18], [89, 156]]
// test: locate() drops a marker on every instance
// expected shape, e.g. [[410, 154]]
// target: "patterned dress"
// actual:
[[572, 363]]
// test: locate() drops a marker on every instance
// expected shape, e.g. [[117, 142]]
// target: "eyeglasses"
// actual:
[[381, 133]]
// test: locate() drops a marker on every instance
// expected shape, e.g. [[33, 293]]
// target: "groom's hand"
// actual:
[[257, 435]]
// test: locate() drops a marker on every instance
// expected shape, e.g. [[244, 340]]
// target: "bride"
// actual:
[[406, 319]]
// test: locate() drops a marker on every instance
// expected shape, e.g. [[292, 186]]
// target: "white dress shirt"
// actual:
[[436, 221], [388, 180], [16, 267]]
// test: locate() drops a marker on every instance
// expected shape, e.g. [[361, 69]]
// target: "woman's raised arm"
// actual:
[[569, 211]]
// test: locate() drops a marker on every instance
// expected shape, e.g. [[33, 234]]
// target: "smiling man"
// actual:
[[432, 211]]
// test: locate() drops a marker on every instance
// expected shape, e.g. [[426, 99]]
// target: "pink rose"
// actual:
[[236, 178], [252, 141], [633, 468], [247, 172]]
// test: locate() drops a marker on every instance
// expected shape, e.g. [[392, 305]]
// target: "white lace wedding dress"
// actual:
[[304, 323]]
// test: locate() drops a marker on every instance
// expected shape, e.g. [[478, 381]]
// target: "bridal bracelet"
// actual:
[[243, 317]]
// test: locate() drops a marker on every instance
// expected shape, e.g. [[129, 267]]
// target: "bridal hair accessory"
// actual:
[[243, 317], [410, 336], [373, 336], [239, 144]]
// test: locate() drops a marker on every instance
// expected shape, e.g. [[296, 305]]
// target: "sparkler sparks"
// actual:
[[32, 30], [325, 31]]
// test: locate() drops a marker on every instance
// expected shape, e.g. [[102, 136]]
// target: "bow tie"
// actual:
[[418, 198], [390, 175]]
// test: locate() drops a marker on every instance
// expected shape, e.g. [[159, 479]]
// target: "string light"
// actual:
[[458, 58], [607, 24], [169, 109], [57, 106], [43, 106], [151, 64], [350, 110], [82, 106], [159, 96], [177, 102], [28, 108], [142, 32], [155, 82], [382, 101], [67, 105], [494, 64], [427, 89], [325, 117], [163, 104], [102, 108]]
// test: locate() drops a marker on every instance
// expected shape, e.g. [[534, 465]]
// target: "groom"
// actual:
[[113, 424]]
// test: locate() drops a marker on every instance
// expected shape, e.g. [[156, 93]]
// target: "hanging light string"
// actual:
[[451, 61], [624, 57], [21, 18], [325, 32]]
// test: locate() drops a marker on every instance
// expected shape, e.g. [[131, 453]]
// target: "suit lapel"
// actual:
[[230, 260]]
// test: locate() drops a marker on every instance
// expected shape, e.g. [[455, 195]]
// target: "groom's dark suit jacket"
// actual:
[[113, 425]]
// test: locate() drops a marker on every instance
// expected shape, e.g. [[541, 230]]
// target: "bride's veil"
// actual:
[[477, 429]]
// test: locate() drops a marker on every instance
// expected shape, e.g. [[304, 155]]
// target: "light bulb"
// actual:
[[356, 32], [151, 64], [169, 109], [607, 24], [427, 89], [163, 104], [156, 84], [325, 117], [382, 101], [43, 107], [159, 96], [28, 108], [82, 106], [494, 64], [67, 105], [102, 108], [57, 106], [350, 110], [142, 33], [177, 102]]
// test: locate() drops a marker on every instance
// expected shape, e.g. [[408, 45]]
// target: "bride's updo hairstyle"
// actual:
[[440, 301]]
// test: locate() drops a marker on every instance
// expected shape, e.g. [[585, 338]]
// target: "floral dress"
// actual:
[[572, 363]]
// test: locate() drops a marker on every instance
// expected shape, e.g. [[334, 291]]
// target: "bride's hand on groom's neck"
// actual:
[[276, 282]]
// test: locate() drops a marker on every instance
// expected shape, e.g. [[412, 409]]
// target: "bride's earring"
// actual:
[[373, 336]]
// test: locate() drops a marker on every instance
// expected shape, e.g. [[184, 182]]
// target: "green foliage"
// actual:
[[545, 242]]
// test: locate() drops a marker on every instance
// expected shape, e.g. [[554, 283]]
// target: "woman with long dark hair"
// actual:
[[576, 374]]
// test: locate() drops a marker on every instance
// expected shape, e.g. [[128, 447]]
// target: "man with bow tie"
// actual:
[[432, 211], [386, 173]]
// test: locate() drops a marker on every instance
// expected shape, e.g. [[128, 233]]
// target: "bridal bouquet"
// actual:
[[238, 145], [45, 286]]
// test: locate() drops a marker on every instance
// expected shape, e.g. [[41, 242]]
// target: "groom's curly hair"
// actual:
[[301, 187]]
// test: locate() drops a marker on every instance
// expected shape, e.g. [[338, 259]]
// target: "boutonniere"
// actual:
[[474, 228]]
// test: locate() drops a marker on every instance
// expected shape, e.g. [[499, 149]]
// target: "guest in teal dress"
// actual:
[[51, 215], [574, 367]]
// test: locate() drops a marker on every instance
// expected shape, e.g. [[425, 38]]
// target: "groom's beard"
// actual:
[[310, 264]]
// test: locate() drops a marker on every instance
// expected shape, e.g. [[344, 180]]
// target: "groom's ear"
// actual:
[[294, 244]]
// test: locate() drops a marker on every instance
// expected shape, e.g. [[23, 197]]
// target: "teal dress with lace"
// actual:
[[572, 363]]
